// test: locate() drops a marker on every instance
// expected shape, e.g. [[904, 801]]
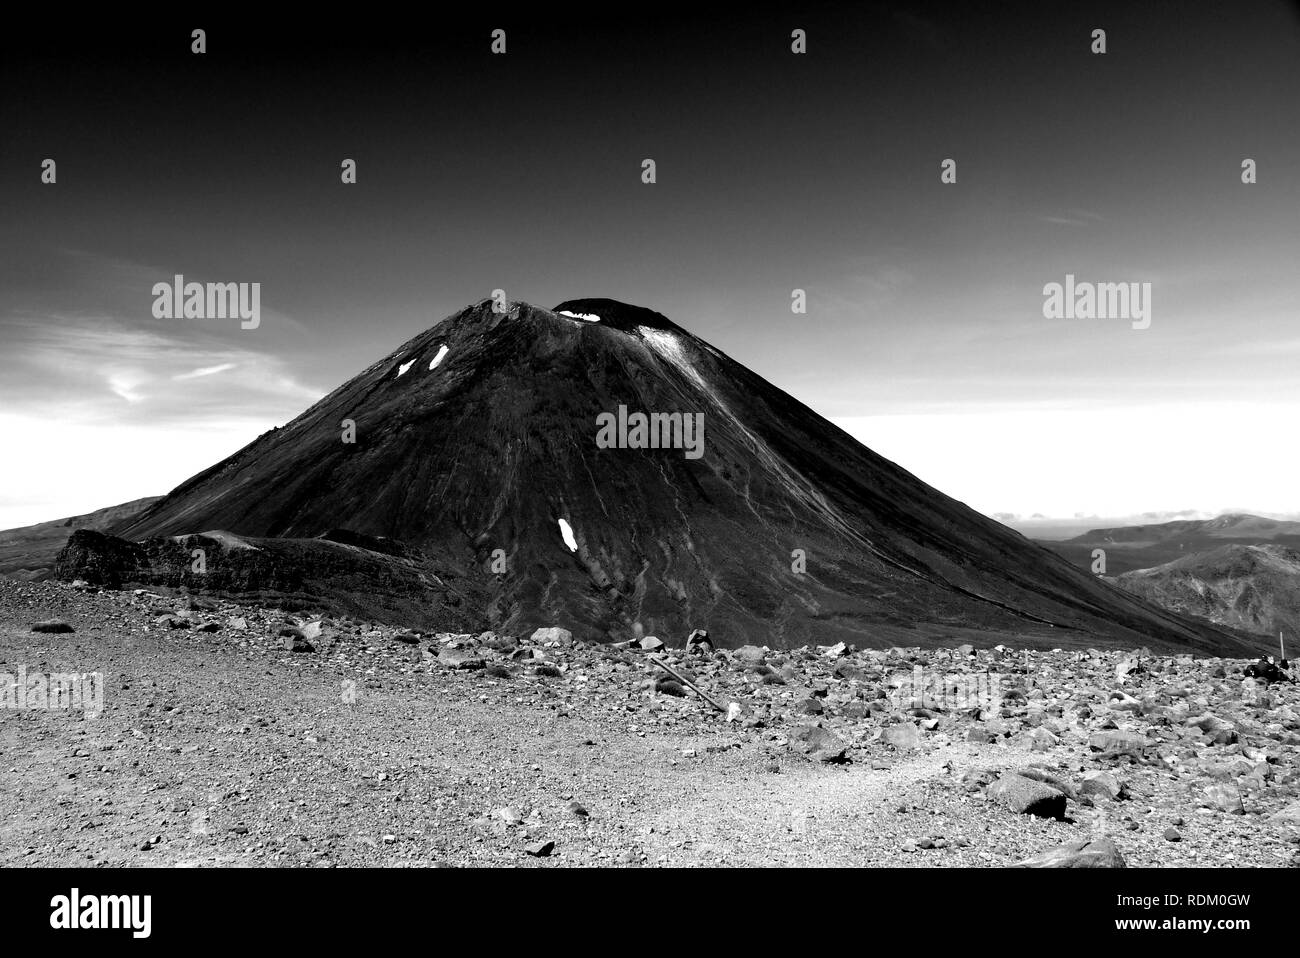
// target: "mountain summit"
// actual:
[[477, 441]]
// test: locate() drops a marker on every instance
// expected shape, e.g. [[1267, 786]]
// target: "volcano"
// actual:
[[476, 442]]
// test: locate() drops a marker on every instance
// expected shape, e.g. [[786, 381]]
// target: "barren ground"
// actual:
[[224, 748]]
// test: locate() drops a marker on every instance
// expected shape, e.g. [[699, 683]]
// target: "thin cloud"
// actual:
[[205, 371]]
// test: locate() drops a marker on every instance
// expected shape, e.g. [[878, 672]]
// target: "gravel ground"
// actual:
[[379, 747]]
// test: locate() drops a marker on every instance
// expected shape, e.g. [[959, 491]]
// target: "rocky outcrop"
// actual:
[[397, 585]]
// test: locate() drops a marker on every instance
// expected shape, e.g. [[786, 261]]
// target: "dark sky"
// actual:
[[924, 334]]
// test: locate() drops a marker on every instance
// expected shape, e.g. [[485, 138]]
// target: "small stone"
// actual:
[[508, 815], [540, 849], [1171, 835]]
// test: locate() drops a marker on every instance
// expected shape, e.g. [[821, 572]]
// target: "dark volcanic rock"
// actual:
[[332, 577], [473, 456], [1028, 797]]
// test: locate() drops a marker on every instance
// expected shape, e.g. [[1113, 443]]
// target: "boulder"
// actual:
[[1104, 785], [818, 743], [905, 735], [1119, 741], [295, 641], [1287, 816], [460, 659], [1226, 798], [1098, 853], [553, 634], [697, 643], [1027, 797]]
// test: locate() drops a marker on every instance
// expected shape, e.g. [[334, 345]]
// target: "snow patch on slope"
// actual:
[[669, 347], [566, 531], [401, 370], [442, 351], [587, 317]]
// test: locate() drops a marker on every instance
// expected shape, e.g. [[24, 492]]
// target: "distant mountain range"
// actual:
[[1144, 546], [1253, 588], [1240, 571]]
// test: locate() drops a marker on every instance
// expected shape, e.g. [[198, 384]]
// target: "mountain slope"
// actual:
[[1253, 588], [480, 435]]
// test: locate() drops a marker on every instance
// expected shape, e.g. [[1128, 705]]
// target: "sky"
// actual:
[[924, 336]]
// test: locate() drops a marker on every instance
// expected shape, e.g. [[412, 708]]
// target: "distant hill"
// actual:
[[1129, 548], [28, 552], [1252, 588]]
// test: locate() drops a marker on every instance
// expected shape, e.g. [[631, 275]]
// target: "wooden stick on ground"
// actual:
[[682, 678]]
